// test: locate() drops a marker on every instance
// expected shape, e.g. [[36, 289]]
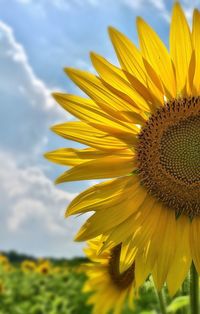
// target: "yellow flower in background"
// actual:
[[44, 267], [108, 287], [28, 266], [58, 270], [4, 263], [4, 260], [2, 287], [141, 126]]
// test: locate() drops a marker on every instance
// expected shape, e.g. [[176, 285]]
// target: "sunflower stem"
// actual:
[[185, 292], [162, 302], [186, 285], [194, 290]]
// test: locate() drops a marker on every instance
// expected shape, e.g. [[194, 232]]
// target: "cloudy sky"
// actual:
[[37, 39]]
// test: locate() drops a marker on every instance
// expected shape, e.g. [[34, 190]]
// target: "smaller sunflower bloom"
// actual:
[[58, 270], [28, 266], [110, 289], [44, 267]]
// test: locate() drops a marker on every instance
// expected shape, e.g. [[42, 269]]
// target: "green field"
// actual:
[[56, 291]]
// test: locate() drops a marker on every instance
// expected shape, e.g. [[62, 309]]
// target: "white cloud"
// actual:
[[27, 107], [159, 5], [32, 212], [60, 4], [70, 4], [189, 6], [32, 208], [13, 51]]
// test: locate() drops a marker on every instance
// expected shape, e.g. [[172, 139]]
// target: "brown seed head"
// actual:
[[168, 155]]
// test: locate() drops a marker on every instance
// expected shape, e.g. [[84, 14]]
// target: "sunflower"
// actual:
[[44, 267], [28, 266], [4, 263], [108, 287], [141, 126], [3, 260]]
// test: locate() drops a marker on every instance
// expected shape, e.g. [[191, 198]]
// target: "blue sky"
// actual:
[[38, 38]]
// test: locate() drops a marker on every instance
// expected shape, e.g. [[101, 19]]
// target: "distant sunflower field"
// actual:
[[52, 287]]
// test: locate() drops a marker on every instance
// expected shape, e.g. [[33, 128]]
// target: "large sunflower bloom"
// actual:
[[142, 125], [108, 287]]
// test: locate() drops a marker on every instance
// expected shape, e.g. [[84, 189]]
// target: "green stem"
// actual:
[[162, 303], [186, 285], [185, 291], [194, 290]]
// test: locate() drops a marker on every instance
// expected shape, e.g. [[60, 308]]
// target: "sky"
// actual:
[[38, 38]]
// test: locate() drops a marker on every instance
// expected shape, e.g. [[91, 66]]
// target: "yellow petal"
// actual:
[[194, 242], [127, 136], [73, 157], [113, 216], [134, 232], [98, 119], [166, 249], [136, 226], [131, 61], [180, 46], [88, 111], [146, 92], [196, 44], [190, 89], [182, 259], [102, 195], [129, 56], [156, 225], [128, 255], [157, 55], [119, 304], [88, 135], [116, 78], [142, 270], [144, 227], [155, 85], [107, 100], [105, 167]]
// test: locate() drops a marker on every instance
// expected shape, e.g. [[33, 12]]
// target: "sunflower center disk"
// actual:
[[120, 280], [169, 155], [180, 150]]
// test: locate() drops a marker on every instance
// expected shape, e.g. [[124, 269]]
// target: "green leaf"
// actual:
[[177, 304]]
